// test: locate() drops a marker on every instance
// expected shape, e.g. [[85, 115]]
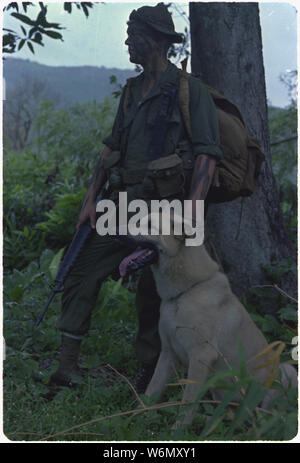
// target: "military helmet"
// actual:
[[158, 18]]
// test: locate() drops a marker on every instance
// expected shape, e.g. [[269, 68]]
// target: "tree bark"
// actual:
[[227, 53]]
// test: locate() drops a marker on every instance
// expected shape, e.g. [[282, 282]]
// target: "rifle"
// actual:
[[78, 241]]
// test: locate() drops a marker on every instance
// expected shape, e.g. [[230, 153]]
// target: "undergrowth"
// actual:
[[104, 405]]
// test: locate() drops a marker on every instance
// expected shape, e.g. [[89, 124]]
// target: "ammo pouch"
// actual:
[[164, 176]]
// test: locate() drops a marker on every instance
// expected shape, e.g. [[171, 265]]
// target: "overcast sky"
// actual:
[[99, 40]]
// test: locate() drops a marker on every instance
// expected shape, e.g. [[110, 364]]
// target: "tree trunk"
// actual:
[[227, 53]]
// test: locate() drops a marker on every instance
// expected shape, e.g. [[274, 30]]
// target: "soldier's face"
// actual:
[[140, 45]]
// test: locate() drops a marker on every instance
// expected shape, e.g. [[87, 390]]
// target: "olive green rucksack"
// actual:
[[237, 173]]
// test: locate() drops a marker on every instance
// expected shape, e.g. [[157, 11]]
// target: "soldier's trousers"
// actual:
[[99, 258]]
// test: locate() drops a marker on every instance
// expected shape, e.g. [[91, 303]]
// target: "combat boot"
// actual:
[[68, 372]]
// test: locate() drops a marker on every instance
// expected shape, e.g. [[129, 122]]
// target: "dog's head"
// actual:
[[159, 237]]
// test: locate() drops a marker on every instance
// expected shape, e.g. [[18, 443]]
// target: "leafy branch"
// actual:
[[33, 31]]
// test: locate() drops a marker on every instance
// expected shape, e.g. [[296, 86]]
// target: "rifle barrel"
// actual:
[[53, 292]]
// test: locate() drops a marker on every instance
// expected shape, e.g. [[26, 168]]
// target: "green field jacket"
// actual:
[[132, 129]]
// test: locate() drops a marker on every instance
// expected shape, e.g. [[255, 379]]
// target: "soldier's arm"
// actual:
[[201, 178], [205, 139], [88, 210]]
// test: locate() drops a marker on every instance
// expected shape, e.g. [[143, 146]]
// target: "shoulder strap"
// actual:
[[220, 100]]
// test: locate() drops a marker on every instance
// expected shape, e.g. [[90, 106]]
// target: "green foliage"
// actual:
[[108, 414], [44, 186], [24, 202], [62, 218], [38, 27], [274, 311], [21, 246], [55, 263], [109, 411], [118, 87], [283, 125], [74, 133], [25, 195]]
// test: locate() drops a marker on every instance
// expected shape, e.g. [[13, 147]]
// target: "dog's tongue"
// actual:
[[135, 261]]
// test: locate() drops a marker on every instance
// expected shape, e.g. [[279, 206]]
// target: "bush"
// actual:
[[44, 186], [283, 134], [109, 414]]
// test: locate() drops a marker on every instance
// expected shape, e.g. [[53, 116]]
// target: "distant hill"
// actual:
[[70, 84]]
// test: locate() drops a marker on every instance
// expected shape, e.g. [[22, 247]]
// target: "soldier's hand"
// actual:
[[88, 213]]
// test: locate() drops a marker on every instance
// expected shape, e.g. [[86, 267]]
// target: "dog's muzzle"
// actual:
[[146, 253]]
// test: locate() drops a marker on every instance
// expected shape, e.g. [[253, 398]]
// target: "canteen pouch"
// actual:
[[167, 176]]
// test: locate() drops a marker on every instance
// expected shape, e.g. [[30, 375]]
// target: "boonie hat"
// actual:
[[158, 18]]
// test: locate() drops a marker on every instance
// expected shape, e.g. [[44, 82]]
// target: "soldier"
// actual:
[[124, 162]]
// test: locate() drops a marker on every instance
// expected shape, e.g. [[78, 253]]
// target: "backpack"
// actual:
[[237, 173]]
